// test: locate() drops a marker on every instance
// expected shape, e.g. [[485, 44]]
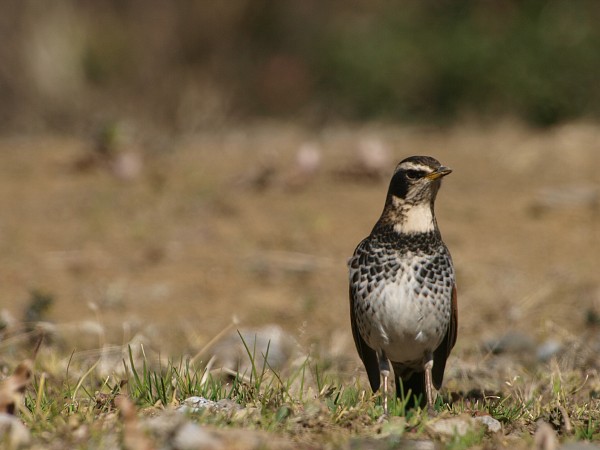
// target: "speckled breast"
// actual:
[[402, 295]]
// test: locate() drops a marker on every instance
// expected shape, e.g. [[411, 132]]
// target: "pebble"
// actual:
[[461, 425], [196, 404], [513, 342], [165, 424], [548, 349], [569, 196], [269, 340], [191, 436], [579, 446], [13, 432], [452, 426], [374, 155], [418, 445], [377, 443], [492, 425]]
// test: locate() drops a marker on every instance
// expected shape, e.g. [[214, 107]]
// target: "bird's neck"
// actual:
[[417, 219], [406, 218]]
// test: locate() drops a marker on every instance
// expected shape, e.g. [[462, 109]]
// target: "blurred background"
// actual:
[[187, 65], [166, 166]]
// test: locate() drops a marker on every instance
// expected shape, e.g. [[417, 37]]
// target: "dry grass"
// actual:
[[220, 224]]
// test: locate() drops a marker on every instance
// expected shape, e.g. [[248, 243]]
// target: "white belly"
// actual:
[[405, 323]]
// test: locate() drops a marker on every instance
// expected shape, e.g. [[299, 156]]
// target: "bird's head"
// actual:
[[417, 180], [412, 192]]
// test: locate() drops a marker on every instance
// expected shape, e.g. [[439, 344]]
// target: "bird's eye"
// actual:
[[413, 174]]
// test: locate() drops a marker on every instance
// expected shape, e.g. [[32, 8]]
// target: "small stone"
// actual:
[[452, 426], [308, 162], [164, 424], [308, 158], [514, 342], [270, 340], [196, 404], [126, 166], [244, 414], [13, 432], [578, 446], [7, 320], [192, 436], [227, 404], [569, 196], [418, 445], [379, 443], [492, 425], [548, 349], [374, 156]]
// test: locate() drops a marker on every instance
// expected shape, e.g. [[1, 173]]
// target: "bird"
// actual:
[[403, 304]]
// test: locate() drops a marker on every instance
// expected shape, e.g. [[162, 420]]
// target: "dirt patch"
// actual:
[[200, 237]]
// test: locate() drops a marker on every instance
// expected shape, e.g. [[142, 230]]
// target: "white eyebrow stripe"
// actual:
[[412, 166]]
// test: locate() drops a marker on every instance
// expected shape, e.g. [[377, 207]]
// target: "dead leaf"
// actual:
[[13, 387]]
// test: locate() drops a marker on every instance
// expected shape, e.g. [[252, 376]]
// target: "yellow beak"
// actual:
[[439, 173]]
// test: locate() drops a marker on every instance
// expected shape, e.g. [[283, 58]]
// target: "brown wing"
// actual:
[[440, 355], [366, 353]]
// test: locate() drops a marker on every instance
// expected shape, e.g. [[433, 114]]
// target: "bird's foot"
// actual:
[[429, 392], [386, 373], [431, 412]]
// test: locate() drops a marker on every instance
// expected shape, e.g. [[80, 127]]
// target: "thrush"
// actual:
[[403, 307]]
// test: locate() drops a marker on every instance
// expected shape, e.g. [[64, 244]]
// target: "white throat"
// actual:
[[417, 219]]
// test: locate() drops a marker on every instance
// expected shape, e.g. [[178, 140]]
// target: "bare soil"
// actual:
[[220, 224]]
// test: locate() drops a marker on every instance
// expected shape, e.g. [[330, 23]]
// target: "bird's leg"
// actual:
[[384, 369], [429, 382]]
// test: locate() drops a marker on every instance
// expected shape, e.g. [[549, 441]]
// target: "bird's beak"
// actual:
[[439, 173]]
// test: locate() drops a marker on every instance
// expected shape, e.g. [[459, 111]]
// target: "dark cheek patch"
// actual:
[[398, 185]]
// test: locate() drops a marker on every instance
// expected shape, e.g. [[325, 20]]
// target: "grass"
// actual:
[[176, 290], [304, 403]]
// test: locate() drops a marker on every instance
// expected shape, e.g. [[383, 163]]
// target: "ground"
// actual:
[[226, 224]]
